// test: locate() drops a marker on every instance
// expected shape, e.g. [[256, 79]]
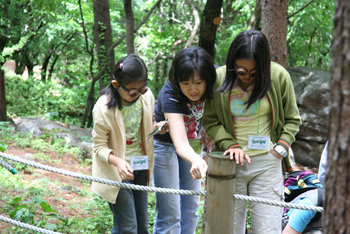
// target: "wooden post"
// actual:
[[219, 195], [3, 116]]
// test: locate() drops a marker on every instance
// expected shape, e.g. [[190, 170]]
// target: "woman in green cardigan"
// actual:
[[253, 117]]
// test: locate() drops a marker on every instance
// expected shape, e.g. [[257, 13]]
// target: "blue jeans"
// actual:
[[174, 213], [130, 213]]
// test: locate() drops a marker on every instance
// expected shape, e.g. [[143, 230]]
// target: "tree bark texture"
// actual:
[[129, 16], [274, 26], [103, 39], [3, 116], [337, 207], [209, 25]]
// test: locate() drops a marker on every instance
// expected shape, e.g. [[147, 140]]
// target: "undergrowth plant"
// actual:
[[32, 97], [24, 200]]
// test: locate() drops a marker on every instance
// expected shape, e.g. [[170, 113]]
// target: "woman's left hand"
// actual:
[[199, 168], [238, 155]]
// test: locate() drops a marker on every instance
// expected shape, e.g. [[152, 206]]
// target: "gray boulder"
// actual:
[[36, 125], [73, 135], [312, 93]]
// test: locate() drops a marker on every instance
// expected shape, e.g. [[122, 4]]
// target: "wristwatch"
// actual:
[[281, 150]]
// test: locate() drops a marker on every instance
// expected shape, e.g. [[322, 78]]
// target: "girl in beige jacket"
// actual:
[[121, 152]]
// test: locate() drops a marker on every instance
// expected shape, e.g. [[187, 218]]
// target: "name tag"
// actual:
[[139, 162], [258, 142]]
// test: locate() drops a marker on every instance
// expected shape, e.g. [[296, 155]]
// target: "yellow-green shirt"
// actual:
[[132, 121], [256, 120]]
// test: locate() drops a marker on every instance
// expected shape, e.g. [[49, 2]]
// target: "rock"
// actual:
[[313, 94], [72, 135], [75, 136], [70, 189], [85, 150], [36, 125]]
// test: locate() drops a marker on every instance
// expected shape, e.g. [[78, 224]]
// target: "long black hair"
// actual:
[[130, 69], [250, 44], [189, 61]]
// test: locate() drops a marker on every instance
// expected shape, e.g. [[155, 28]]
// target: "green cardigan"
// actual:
[[217, 119]]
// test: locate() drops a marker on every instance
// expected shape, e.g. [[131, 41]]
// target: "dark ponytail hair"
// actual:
[[189, 61], [251, 44], [130, 69]]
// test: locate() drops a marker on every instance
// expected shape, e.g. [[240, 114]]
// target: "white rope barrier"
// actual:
[[157, 189], [277, 203], [102, 181], [26, 226]]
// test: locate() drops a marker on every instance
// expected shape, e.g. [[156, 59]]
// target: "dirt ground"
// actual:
[[64, 195]]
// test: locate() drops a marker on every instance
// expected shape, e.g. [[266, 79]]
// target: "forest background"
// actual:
[[72, 45], [64, 52]]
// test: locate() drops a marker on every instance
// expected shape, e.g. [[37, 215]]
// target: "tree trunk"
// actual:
[[129, 16], [52, 66], [90, 100], [255, 21], [274, 26], [196, 23], [103, 39], [3, 116], [209, 25], [337, 207], [46, 64]]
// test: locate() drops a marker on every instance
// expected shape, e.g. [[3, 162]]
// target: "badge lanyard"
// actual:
[[257, 141]]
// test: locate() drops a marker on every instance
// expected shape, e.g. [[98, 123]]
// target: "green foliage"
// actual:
[[5, 128], [98, 217], [151, 211], [310, 34], [3, 147], [35, 30], [235, 20], [32, 97], [9, 51], [34, 210]]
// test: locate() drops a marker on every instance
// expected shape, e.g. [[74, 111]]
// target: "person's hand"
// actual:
[[124, 169], [238, 154], [164, 129], [199, 168]]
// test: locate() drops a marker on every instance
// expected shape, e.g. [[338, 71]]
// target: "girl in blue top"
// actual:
[[178, 161]]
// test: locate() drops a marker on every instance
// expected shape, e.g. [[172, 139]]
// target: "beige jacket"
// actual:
[[108, 135]]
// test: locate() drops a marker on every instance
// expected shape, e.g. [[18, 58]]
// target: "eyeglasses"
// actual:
[[134, 92], [242, 71]]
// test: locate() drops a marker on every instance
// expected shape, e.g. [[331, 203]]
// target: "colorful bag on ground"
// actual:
[[299, 182]]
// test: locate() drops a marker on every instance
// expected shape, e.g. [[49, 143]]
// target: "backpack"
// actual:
[[299, 182]]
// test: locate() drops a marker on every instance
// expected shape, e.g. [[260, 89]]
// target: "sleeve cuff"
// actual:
[[104, 153], [234, 146], [283, 143]]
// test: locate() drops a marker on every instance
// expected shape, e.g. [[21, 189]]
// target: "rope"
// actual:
[[25, 225], [104, 181], [278, 203], [8, 166], [157, 189]]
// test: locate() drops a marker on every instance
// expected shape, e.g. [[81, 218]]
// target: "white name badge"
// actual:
[[258, 142], [139, 162]]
